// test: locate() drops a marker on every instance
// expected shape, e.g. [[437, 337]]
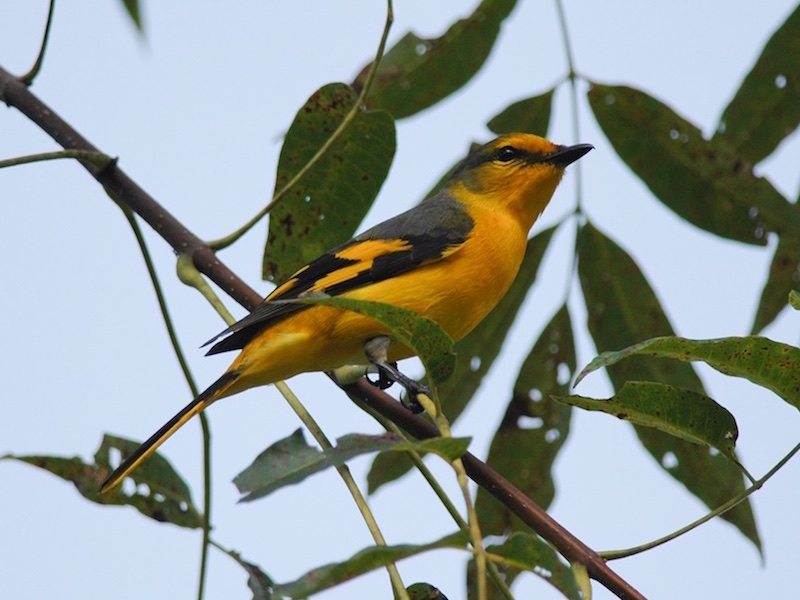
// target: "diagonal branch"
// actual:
[[498, 486], [126, 192]]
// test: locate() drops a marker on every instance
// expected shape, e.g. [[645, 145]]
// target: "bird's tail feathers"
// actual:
[[133, 460]]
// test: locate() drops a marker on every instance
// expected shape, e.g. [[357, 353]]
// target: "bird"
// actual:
[[451, 258]]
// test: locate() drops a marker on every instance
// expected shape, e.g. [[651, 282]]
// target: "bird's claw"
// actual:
[[410, 399], [375, 350], [384, 381]]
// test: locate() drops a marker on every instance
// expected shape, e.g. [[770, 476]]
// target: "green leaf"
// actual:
[[623, 310], [475, 354], [132, 8], [367, 560], [705, 182], [528, 552], [258, 581], [160, 492], [534, 427], [770, 364], [421, 335], [291, 460], [424, 591], [784, 276], [683, 413], [766, 108], [326, 206], [417, 73], [531, 115]]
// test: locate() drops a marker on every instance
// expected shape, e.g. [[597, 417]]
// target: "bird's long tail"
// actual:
[[141, 453]]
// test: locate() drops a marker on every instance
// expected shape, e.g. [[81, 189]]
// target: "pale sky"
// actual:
[[195, 112]]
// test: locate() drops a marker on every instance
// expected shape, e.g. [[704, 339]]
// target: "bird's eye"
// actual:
[[506, 154]]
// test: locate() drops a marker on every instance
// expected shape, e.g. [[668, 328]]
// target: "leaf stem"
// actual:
[[338, 132], [189, 275], [28, 78], [433, 407], [98, 159], [572, 77], [173, 337], [735, 501], [347, 477], [426, 473]]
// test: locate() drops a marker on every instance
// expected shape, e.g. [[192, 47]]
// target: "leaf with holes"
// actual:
[[770, 364], [160, 492], [766, 108], [531, 115], [417, 73], [326, 206], [705, 182], [475, 354], [622, 310], [534, 427]]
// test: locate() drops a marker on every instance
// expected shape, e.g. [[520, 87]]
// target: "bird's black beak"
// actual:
[[566, 155]]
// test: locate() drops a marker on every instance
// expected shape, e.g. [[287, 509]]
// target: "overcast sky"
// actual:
[[196, 111]]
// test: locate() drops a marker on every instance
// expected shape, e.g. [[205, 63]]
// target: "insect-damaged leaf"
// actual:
[[623, 310], [683, 413], [160, 493], [705, 182], [770, 364], [326, 206]]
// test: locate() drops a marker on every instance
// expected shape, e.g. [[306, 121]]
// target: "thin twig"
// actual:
[[344, 472], [573, 549], [187, 374], [98, 159], [323, 150], [434, 408], [442, 496], [28, 78], [722, 509]]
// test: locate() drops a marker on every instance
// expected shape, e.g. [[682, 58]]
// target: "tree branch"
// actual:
[[498, 486], [126, 192]]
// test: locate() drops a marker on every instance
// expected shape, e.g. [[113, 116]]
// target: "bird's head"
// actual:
[[516, 171]]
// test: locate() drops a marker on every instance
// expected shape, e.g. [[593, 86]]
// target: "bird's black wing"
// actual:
[[423, 234]]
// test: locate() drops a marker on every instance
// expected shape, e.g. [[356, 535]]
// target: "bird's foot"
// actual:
[[376, 352]]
